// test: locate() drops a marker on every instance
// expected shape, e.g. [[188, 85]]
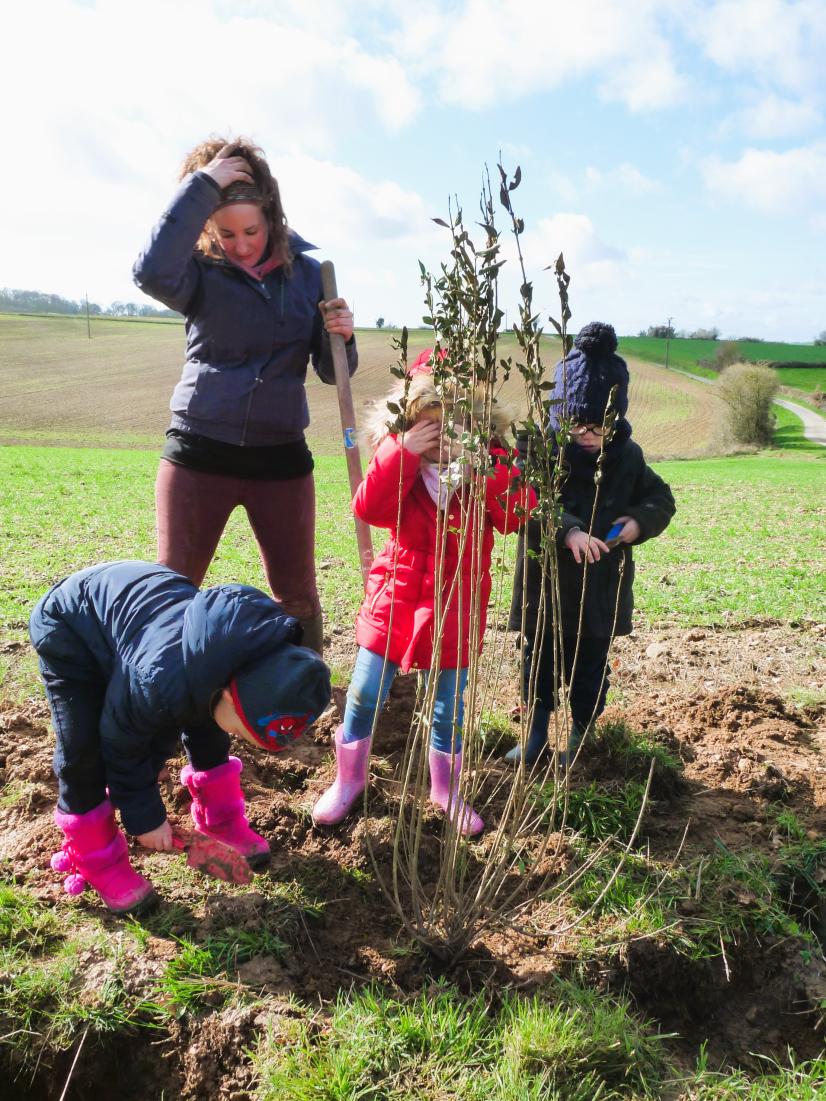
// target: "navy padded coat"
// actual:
[[164, 648], [248, 343], [629, 487]]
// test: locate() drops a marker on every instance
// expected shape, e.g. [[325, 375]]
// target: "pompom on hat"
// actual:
[[280, 695], [423, 363], [587, 376]]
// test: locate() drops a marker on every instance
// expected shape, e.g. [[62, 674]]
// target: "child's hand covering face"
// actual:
[[424, 437], [428, 440]]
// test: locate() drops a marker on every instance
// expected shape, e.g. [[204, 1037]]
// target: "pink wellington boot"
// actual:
[[95, 852], [446, 794], [218, 810], [337, 801]]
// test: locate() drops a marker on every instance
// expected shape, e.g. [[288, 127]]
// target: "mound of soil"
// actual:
[[744, 749]]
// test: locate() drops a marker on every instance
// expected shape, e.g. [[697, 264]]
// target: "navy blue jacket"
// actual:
[[628, 487], [164, 649], [247, 343]]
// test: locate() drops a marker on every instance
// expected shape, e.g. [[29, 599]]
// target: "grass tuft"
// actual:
[[578, 1046], [595, 811]]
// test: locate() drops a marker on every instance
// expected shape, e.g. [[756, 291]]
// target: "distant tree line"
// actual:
[[17, 301], [668, 332]]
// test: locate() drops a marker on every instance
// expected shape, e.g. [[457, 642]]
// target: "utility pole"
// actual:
[[88, 322], [667, 340]]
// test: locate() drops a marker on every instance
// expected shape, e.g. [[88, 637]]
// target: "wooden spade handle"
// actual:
[[348, 419]]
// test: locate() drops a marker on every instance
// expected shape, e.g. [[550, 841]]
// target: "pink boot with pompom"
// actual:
[[95, 852]]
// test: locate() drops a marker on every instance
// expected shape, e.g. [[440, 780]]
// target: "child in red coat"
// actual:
[[413, 488]]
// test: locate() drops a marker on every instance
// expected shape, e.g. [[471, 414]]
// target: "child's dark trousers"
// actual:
[[588, 679]]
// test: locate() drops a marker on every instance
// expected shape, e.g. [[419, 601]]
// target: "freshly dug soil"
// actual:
[[718, 700]]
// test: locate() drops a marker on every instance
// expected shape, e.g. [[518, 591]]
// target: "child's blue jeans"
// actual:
[[368, 690]]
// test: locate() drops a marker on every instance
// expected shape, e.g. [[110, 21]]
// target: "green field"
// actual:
[[802, 378], [743, 543], [685, 354]]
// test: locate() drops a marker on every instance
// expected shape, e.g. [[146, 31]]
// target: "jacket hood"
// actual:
[[224, 629], [412, 395]]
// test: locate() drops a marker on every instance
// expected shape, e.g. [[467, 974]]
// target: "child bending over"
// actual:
[[133, 657]]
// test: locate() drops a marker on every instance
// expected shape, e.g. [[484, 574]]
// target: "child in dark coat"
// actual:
[[133, 657], [629, 494]]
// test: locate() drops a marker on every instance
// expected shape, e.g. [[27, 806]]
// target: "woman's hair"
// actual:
[[262, 192], [413, 395]]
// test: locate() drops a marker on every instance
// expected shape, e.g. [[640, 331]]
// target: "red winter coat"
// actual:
[[403, 573]]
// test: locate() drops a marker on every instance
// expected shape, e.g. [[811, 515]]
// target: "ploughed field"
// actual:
[[712, 934], [60, 387]]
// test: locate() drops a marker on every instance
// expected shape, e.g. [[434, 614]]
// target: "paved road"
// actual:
[[814, 426]]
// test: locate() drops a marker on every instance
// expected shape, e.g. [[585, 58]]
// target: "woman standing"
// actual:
[[223, 256]]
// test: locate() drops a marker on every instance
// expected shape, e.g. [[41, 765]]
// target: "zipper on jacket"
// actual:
[[378, 592], [258, 381]]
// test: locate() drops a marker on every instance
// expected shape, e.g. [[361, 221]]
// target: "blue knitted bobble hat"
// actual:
[[591, 370]]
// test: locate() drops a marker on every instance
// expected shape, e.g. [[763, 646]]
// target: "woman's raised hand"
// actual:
[[338, 317], [225, 169]]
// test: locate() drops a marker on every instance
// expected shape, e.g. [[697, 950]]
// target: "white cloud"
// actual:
[[779, 41], [337, 205], [114, 94], [564, 186], [487, 51], [591, 261], [625, 177], [792, 182], [773, 116]]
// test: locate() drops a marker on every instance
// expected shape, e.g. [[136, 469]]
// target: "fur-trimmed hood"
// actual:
[[413, 394]]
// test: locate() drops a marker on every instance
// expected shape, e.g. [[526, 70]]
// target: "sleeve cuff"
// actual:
[[208, 179]]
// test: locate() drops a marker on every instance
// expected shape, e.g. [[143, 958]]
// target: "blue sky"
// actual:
[[674, 150]]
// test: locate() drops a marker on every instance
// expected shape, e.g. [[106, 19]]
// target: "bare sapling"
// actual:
[[485, 880]]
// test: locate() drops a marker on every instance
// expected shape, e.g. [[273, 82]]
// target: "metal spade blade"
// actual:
[[213, 857]]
